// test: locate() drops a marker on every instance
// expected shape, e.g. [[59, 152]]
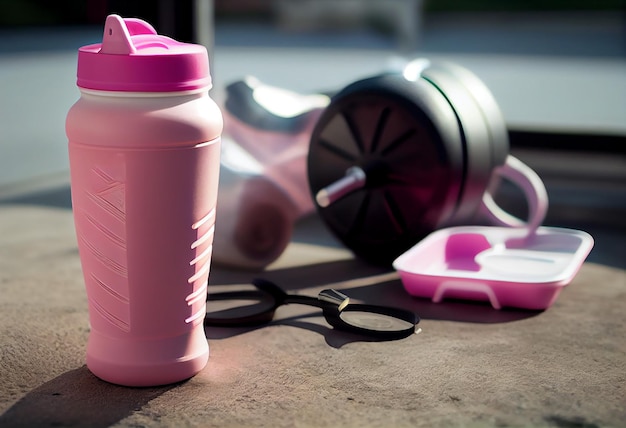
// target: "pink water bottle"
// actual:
[[144, 147]]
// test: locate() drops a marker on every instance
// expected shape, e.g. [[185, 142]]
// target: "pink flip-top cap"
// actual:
[[134, 58]]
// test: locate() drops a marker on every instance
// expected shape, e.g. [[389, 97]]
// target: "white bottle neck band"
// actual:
[[122, 94]]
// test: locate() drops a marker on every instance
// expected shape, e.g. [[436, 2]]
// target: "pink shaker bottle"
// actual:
[[144, 147]]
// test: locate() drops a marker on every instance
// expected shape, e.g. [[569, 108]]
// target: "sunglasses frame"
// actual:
[[332, 302]]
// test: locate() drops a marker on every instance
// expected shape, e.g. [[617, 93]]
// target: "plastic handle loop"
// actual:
[[138, 26], [117, 34], [533, 188], [116, 38]]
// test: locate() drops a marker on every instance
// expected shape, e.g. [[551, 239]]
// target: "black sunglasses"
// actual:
[[372, 320]]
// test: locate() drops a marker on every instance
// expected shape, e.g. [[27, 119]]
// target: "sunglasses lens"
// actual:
[[374, 321]]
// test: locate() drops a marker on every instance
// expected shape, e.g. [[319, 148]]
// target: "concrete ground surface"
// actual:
[[470, 366]]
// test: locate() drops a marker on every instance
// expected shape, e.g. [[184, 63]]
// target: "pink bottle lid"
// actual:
[[134, 58]]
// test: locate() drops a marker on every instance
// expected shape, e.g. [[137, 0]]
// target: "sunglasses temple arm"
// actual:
[[335, 298], [303, 300], [326, 298]]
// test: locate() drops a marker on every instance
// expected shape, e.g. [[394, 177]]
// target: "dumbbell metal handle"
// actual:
[[354, 179]]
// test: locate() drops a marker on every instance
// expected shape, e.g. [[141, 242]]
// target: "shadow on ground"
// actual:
[[78, 398]]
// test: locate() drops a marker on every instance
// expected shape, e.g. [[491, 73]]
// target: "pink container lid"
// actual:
[[134, 58]]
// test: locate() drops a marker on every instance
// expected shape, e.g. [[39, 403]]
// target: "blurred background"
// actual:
[[556, 67]]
